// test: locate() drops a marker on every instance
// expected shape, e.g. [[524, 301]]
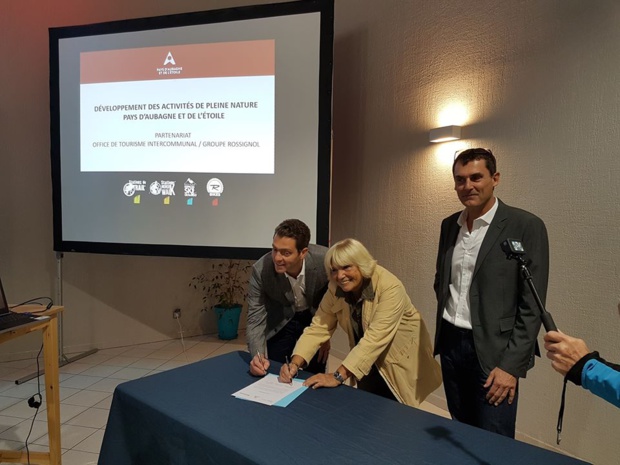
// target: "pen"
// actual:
[[288, 365], [261, 360]]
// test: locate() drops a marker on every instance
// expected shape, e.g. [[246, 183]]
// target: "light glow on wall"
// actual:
[[453, 114], [445, 152]]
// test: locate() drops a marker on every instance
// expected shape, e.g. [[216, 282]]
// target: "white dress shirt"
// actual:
[[464, 258], [299, 288]]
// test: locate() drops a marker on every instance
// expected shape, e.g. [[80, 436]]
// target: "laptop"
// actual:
[[9, 319]]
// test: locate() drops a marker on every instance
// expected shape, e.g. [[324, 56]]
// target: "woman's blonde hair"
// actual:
[[350, 252]]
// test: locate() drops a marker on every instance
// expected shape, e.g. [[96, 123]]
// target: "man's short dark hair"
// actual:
[[295, 229], [468, 155]]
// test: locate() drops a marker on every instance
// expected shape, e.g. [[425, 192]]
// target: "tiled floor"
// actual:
[[86, 388]]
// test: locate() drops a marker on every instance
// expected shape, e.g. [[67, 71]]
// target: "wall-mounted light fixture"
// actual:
[[445, 134]]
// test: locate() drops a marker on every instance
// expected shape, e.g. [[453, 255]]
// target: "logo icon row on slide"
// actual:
[[166, 188]]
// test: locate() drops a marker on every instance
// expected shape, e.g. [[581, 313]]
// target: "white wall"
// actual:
[[538, 81]]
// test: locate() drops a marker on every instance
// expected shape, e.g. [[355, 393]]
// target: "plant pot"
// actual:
[[227, 321]]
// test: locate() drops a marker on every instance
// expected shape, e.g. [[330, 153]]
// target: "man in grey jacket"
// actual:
[[487, 318], [285, 290]]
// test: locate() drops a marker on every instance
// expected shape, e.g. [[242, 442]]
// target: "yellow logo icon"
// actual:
[[167, 200], [136, 199]]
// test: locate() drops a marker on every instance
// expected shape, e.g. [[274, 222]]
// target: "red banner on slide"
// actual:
[[247, 58]]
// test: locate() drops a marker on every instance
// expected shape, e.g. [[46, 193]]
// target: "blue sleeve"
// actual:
[[602, 380]]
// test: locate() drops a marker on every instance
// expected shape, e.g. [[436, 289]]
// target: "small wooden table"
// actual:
[[49, 327]]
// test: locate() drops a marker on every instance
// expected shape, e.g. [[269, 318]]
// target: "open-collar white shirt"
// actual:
[[299, 288], [464, 258]]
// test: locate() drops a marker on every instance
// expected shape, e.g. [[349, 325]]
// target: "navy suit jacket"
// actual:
[[505, 316], [271, 299]]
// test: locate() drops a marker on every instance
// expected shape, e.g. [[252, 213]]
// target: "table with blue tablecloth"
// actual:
[[188, 416]]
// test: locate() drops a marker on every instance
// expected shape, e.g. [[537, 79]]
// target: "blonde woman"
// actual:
[[391, 353]]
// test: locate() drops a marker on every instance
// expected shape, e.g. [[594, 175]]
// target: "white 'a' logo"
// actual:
[[169, 59]]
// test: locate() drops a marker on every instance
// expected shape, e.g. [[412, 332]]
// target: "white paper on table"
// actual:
[[270, 391]]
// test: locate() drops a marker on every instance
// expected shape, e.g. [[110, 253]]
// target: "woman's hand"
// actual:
[[288, 372], [322, 380]]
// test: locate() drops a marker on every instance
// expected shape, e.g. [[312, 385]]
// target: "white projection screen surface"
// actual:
[[192, 134]]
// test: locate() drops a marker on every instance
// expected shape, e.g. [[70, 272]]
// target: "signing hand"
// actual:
[[324, 352], [259, 365], [288, 372], [564, 351], [502, 384]]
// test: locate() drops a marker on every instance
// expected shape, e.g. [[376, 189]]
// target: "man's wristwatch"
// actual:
[[338, 377]]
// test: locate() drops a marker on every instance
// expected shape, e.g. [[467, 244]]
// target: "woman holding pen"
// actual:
[[391, 353]]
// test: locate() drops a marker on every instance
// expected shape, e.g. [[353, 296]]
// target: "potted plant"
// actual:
[[224, 287]]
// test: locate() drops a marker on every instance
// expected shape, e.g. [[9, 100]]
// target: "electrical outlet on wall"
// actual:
[[176, 313]]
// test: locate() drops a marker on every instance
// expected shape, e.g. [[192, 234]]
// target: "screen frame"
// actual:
[[324, 124]]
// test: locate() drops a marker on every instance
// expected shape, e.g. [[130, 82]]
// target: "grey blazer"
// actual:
[[270, 296], [505, 317]]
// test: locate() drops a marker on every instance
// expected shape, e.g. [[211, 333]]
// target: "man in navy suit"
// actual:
[[285, 290], [487, 318]]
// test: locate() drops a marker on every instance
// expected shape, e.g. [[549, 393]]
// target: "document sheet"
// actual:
[[270, 391]]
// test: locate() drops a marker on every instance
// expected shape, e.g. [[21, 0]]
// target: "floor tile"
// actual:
[[70, 436], [64, 376], [20, 409], [225, 349], [154, 345], [75, 367], [92, 443], [121, 361], [206, 347], [65, 392], [105, 403], [22, 391], [102, 371], [92, 417], [11, 445], [147, 363], [86, 398], [67, 412], [80, 381], [106, 385], [172, 364], [188, 357], [96, 358], [20, 431], [38, 448], [76, 457], [167, 352], [139, 352], [130, 373], [7, 422], [114, 351], [6, 402]]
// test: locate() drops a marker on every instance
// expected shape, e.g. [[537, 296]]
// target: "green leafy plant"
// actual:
[[224, 285]]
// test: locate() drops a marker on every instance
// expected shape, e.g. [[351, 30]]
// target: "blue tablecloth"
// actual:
[[188, 416]]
